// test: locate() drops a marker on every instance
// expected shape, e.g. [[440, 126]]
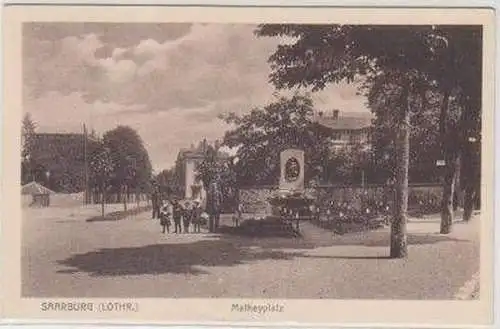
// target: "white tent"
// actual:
[[40, 195]]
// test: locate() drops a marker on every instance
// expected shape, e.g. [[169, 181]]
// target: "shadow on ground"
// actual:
[[382, 239], [231, 247], [167, 258]]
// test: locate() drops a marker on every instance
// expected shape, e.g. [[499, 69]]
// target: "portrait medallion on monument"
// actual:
[[292, 170]]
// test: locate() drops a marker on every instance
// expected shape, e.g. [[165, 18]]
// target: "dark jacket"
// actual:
[[177, 212]]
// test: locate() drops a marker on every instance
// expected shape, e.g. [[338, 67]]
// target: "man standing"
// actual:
[[155, 201], [197, 217], [177, 215]]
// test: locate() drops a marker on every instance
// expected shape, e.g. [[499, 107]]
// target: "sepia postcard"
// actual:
[[218, 165]]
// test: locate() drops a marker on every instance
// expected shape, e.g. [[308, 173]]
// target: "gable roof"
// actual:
[[34, 188], [345, 122], [199, 152]]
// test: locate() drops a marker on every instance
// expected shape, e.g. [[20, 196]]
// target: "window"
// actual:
[[336, 135]]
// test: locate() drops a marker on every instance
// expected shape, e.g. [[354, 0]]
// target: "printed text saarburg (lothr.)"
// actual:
[[89, 307], [258, 308]]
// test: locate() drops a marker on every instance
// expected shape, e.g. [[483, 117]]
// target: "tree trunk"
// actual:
[[211, 223], [399, 244], [450, 167], [469, 202], [449, 178], [458, 188], [103, 199], [124, 196]]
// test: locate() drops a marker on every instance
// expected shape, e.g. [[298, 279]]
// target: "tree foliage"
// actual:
[[101, 168], [447, 58], [388, 58], [171, 182], [28, 136], [262, 134], [405, 62], [131, 163], [101, 165], [216, 166]]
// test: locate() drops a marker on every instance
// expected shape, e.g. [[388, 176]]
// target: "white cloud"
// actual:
[[82, 48], [122, 71], [148, 48], [118, 52]]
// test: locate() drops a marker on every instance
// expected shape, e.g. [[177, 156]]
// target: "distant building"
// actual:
[[345, 130], [39, 195], [58, 162], [189, 160]]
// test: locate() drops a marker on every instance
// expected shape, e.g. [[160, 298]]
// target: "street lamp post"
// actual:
[[47, 174]]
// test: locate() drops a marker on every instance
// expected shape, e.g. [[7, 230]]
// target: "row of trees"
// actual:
[[408, 73], [115, 163], [119, 164]]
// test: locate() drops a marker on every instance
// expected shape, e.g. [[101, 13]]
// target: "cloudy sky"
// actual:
[[167, 81]]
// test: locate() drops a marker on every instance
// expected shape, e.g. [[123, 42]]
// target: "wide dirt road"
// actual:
[[65, 256]]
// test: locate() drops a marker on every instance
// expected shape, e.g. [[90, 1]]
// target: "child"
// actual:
[[187, 216], [165, 214]]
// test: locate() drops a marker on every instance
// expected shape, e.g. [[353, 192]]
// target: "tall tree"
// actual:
[[449, 57], [131, 163], [322, 54], [424, 138], [218, 166], [101, 171], [170, 182], [28, 135]]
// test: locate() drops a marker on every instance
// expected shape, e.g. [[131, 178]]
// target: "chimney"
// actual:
[[335, 114]]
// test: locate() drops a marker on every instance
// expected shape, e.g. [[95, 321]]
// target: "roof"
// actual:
[[59, 135], [196, 153], [34, 188], [345, 122]]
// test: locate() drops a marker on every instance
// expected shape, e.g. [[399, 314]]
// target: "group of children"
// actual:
[[183, 215]]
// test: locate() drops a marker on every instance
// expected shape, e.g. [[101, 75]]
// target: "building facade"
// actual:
[[346, 131], [190, 159], [57, 161]]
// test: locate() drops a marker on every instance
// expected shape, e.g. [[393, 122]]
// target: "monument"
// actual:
[[193, 189], [291, 200]]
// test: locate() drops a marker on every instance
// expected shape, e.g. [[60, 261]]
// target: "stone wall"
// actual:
[[254, 199]]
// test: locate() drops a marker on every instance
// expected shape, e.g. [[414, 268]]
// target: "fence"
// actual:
[[68, 200], [254, 199], [119, 198]]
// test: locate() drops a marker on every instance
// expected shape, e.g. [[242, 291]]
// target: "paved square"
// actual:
[[65, 256]]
